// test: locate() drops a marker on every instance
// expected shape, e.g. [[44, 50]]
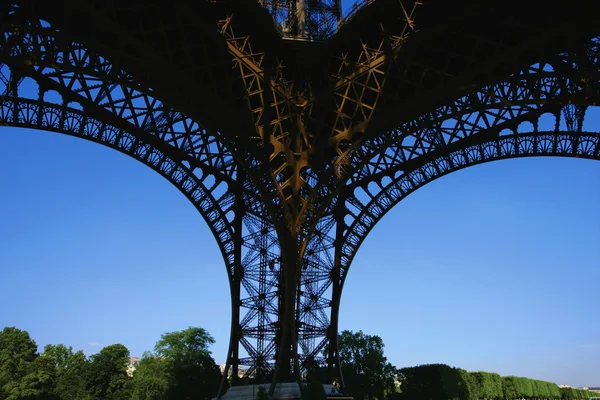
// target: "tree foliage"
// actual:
[[151, 378], [70, 370], [17, 351], [485, 385], [23, 374], [367, 373], [435, 381], [181, 367], [440, 381], [186, 364], [106, 376]]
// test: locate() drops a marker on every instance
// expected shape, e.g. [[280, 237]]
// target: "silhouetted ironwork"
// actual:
[[293, 131]]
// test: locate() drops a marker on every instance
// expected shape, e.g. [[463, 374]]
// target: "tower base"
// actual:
[[284, 391]]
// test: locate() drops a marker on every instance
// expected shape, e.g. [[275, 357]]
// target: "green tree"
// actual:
[[37, 384], [106, 375], [192, 370], [151, 378], [17, 350], [23, 374], [367, 373], [70, 371]]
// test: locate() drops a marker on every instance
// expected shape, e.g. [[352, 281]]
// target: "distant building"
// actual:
[[595, 389], [241, 371], [133, 362]]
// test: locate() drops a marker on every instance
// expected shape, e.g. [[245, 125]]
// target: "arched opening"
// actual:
[[99, 249], [491, 268]]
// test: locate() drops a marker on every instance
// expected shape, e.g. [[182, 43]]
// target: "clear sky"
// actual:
[[491, 268]]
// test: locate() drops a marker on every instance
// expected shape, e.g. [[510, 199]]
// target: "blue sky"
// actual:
[[491, 268]]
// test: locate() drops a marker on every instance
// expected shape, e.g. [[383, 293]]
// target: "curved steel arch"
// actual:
[[35, 114], [105, 104], [35, 47], [563, 83], [543, 87], [563, 144]]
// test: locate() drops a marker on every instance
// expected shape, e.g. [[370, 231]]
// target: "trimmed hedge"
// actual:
[[435, 381], [486, 385], [578, 394], [442, 382]]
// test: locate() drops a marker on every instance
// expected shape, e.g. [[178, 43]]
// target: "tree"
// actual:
[[194, 373], [17, 350], [151, 378], [106, 376], [37, 384], [23, 374], [367, 373], [70, 371]]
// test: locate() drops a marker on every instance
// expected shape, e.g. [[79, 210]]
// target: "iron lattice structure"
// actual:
[[293, 134], [305, 19]]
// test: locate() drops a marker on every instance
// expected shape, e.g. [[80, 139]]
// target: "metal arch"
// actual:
[[490, 115], [282, 111], [120, 113], [37, 114], [110, 95], [561, 144], [504, 104], [74, 68]]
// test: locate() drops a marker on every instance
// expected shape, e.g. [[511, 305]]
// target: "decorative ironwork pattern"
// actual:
[[305, 19], [481, 126], [102, 104]]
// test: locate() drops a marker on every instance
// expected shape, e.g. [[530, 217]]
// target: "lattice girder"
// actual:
[[119, 114], [75, 69], [459, 48], [36, 114], [145, 37], [309, 20], [488, 110], [282, 111], [552, 143], [478, 127]]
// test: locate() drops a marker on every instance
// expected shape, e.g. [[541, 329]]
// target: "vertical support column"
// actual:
[[334, 366], [235, 280], [287, 366]]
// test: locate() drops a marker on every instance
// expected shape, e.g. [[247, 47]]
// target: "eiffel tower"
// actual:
[[294, 128]]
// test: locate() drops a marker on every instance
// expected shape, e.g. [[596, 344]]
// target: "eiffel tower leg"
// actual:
[[235, 279], [334, 367], [287, 365]]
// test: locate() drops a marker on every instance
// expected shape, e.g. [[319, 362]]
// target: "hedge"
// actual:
[[442, 382], [434, 381]]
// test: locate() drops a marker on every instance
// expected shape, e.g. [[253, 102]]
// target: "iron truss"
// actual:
[[294, 150]]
